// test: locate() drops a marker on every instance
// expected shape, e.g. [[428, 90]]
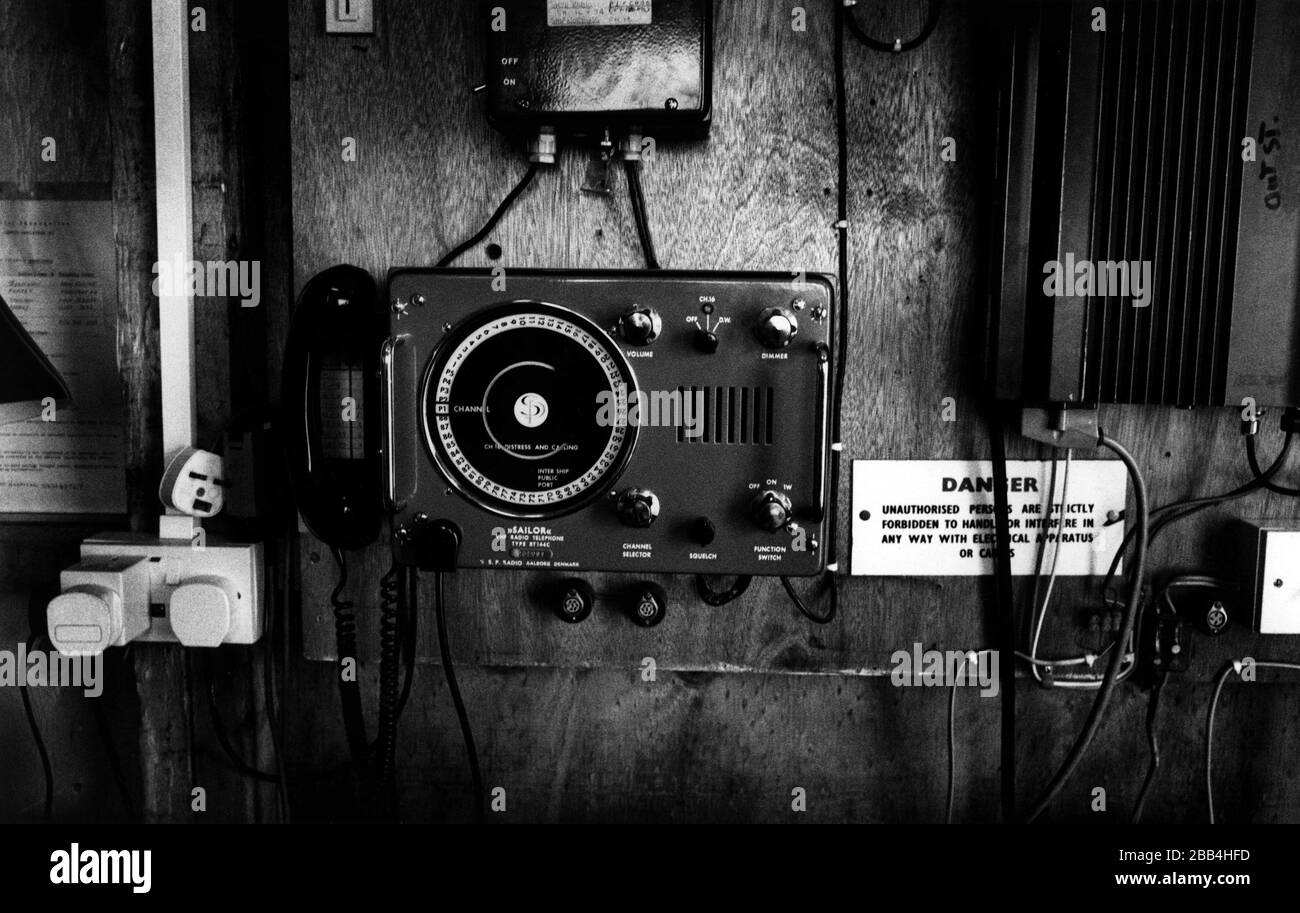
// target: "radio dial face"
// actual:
[[511, 406]]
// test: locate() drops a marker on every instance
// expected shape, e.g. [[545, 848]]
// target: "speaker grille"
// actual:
[[727, 415], [1170, 118]]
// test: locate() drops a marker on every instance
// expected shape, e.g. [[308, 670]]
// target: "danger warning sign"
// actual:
[[935, 518]]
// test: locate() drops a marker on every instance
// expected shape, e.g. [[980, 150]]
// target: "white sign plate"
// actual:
[[934, 518]]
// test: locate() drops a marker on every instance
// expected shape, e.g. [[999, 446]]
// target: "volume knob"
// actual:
[[640, 326], [637, 507], [776, 327]]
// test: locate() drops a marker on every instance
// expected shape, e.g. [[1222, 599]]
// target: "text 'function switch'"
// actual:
[[776, 327], [640, 326]]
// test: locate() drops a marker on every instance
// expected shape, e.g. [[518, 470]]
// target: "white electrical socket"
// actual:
[[200, 594]]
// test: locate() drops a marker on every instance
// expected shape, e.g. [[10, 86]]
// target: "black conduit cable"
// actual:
[[832, 605], [637, 197], [501, 210], [712, 597], [898, 45], [345, 630], [46, 769], [1005, 613], [1181, 510], [129, 807], [1263, 480], [238, 762], [1153, 709], [1098, 711], [462, 716]]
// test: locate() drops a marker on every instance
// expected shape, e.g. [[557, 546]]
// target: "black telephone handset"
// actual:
[[330, 398]]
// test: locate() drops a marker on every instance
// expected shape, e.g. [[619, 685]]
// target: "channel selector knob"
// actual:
[[771, 510], [776, 327], [637, 507], [639, 326]]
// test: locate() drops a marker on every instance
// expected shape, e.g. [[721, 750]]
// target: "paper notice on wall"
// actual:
[[935, 518], [598, 12], [58, 277]]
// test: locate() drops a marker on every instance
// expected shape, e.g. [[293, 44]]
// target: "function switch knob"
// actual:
[[770, 510]]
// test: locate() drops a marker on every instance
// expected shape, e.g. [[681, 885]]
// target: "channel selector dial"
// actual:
[[638, 507]]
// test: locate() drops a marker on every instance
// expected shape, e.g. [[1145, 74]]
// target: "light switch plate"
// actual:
[[349, 17], [1277, 579]]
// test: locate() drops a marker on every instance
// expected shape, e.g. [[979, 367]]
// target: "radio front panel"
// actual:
[[619, 421]]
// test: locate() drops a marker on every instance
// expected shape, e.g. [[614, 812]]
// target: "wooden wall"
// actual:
[[751, 700]]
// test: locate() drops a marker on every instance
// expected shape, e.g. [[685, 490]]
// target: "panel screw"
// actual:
[[1277, 582], [418, 300], [671, 104]]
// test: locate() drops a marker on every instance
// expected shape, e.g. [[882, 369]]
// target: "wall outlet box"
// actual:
[[1273, 555], [198, 596]]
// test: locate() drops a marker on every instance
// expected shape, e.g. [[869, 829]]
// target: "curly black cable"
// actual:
[[409, 639], [345, 630], [833, 605], [713, 597], [462, 716], [392, 598], [898, 45]]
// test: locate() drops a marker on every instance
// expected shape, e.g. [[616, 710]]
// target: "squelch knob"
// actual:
[[771, 510], [776, 327], [639, 326], [637, 507]]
